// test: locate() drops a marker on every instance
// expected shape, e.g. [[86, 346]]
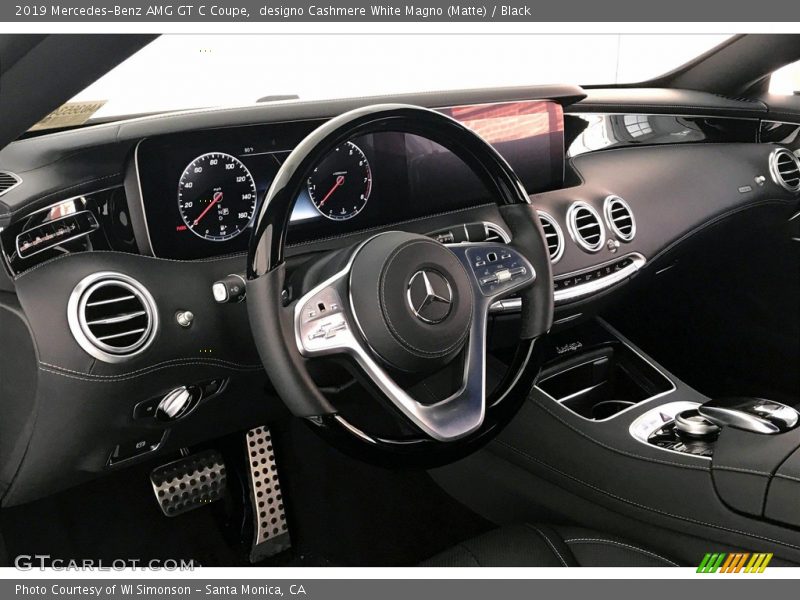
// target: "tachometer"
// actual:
[[216, 196], [340, 185]]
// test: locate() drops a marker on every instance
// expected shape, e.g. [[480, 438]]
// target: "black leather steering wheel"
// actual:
[[399, 304]]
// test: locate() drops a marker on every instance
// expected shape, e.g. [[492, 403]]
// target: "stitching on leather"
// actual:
[[126, 378], [789, 477], [741, 470], [174, 260], [143, 370], [549, 543], [615, 543], [60, 192], [362, 231], [617, 450], [533, 459], [382, 302]]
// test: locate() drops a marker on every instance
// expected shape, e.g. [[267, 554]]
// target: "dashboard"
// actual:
[[200, 191], [168, 202]]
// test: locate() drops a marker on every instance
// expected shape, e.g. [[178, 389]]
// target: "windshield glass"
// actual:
[[195, 71]]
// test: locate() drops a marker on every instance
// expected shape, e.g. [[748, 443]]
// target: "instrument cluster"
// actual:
[[200, 191]]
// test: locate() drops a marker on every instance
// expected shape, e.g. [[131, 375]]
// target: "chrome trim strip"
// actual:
[[149, 249], [567, 319], [60, 242], [601, 283]]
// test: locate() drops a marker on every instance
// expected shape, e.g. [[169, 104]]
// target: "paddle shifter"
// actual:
[[751, 414]]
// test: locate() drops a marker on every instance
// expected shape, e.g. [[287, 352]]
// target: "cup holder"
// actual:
[[602, 382], [607, 408]]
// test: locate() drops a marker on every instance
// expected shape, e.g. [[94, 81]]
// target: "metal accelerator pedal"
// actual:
[[189, 482], [271, 532]]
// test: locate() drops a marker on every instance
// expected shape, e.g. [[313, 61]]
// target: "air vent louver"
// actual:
[[619, 218], [585, 227], [785, 169], [8, 180], [112, 316], [552, 235]]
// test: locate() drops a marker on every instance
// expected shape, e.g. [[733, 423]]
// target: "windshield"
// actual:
[[195, 71]]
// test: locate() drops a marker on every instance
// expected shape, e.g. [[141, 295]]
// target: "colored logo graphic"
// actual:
[[739, 562]]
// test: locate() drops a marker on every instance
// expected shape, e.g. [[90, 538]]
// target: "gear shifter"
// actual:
[[751, 414]]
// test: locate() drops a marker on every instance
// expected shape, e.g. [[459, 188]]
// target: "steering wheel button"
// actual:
[[331, 332]]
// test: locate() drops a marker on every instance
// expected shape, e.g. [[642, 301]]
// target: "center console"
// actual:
[[612, 434]]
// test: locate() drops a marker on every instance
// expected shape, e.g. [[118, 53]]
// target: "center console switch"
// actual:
[[751, 414], [678, 427]]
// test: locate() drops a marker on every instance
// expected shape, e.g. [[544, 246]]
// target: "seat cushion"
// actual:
[[528, 545]]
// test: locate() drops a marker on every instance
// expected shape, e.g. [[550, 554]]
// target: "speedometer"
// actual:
[[216, 196]]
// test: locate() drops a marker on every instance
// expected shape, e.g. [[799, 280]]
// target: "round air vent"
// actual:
[[553, 236], [112, 316], [785, 169], [619, 218], [585, 227]]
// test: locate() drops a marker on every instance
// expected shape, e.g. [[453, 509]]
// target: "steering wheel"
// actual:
[[400, 306]]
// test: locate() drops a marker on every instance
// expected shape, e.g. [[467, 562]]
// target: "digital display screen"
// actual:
[[198, 187], [529, 135]]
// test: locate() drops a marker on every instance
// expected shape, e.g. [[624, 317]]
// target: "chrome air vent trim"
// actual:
[[8, 181], [585, 227], [619, 218], [553, 235], [784, 167], [112, 316]]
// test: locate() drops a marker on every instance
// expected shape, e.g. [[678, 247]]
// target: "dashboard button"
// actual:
[[231, 288], [146, 409], [135, 448]]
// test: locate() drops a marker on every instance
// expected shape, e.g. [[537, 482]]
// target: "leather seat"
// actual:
[[546, 546]]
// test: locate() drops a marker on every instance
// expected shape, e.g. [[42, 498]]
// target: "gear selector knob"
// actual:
[[751, 414]]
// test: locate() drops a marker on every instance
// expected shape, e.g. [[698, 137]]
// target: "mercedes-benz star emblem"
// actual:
[[430, 296]]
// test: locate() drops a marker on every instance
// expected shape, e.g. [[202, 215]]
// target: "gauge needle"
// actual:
[[339, 182], [217, 197]]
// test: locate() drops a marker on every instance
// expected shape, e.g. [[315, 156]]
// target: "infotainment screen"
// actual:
[[529, 135]]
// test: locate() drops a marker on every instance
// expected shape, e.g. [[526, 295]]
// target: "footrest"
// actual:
[[271, 532], [189, 482]]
